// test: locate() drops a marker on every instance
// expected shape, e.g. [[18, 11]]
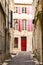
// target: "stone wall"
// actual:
[[2, 35], [37, 34], [4, 30]]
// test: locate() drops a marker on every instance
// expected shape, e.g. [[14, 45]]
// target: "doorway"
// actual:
[[23, 43]]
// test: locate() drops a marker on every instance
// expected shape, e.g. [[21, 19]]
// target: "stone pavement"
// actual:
[[23, 58]]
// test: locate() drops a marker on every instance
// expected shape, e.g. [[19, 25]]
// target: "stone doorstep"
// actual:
[[32, 54], [6, 62], [13, 54], [36, 62], [40, 63]]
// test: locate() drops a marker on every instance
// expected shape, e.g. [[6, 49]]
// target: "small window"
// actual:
[[23, 9], [16, 42], [15, 10]]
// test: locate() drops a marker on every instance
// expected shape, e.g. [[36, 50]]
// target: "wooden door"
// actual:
[[23, 43]]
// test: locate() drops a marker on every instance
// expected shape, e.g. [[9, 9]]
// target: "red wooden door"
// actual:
[[23, 43]]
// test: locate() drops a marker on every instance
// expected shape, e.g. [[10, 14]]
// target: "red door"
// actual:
[[23, 43]]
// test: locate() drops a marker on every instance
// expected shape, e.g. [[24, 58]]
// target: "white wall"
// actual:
[[23, 1], [29, 39], [22, 16]]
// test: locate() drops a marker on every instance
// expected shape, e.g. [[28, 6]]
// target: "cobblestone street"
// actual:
[[23, 58]]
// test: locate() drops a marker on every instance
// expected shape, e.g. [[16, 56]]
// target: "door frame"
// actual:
[[26, 41]]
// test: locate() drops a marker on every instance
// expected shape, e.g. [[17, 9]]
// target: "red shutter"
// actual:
[[29, 25], [29, 10], [19, 10], [19, 24]]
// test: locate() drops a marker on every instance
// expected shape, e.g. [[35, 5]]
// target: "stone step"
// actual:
[[30, 62]]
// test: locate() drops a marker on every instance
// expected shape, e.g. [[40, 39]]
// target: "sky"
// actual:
[[23, 1]]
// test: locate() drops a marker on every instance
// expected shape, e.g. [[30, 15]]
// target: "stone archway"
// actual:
[[42, 39]]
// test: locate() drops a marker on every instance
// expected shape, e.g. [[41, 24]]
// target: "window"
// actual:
[[24, 24], [23, 9], [15, 9], [15, 24], [16, 42]]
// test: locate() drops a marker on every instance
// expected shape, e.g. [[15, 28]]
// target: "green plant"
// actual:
[[40, 15]]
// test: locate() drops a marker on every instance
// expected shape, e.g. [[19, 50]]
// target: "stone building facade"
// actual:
[[22, 25], [11, 11], [4, 29], [37, 33]]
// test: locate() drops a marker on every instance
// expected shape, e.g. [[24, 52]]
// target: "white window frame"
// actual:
[[15, 9], [15, 24], [23, 24], [23, 9]]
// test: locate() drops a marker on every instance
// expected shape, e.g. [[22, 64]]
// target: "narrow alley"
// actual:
[[21, 32], [22, 58]]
